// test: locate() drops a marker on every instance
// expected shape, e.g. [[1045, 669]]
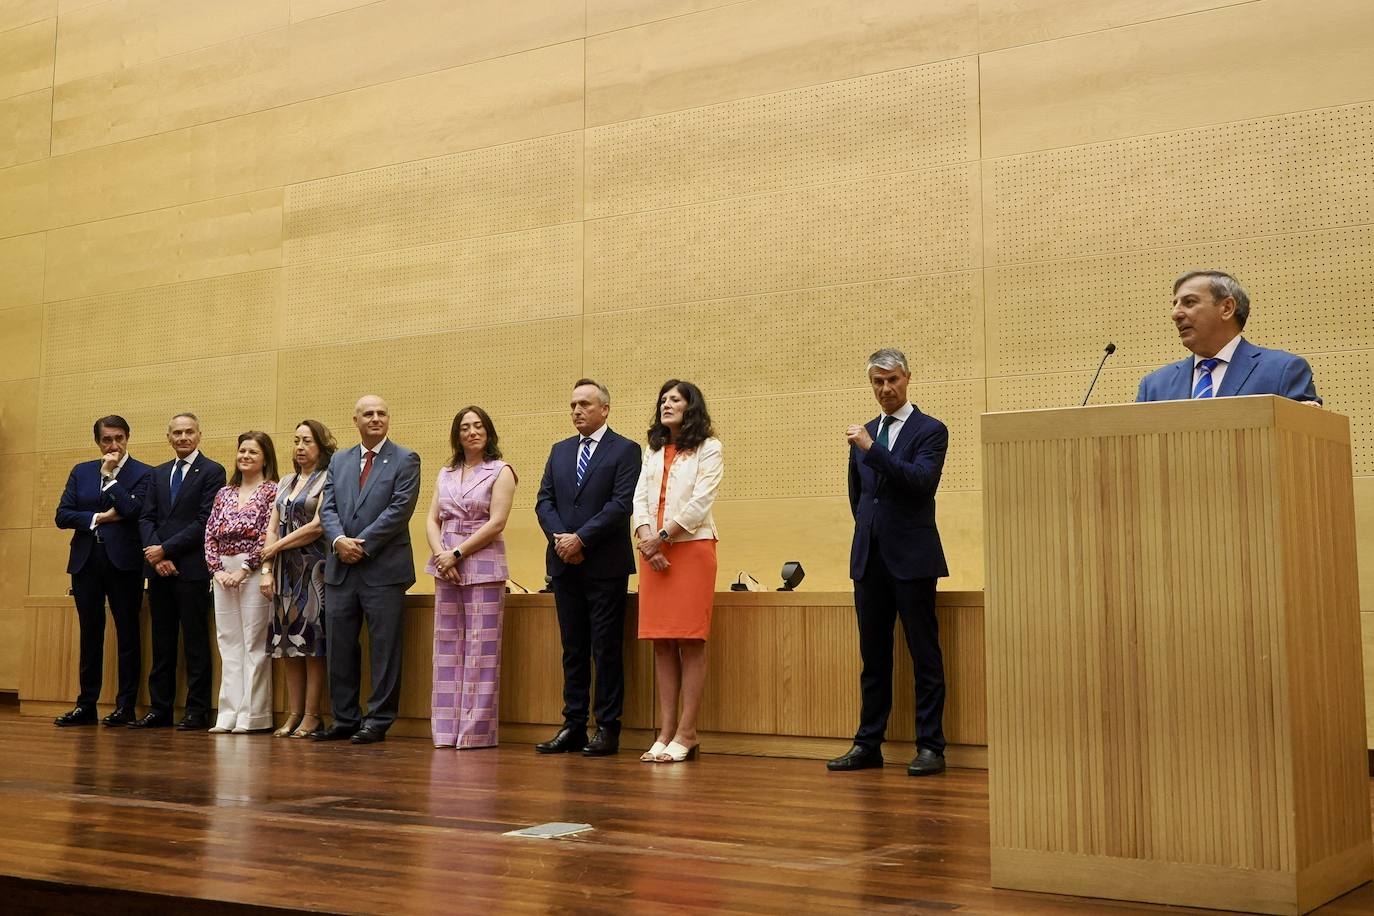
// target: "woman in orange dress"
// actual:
[[676, 536]]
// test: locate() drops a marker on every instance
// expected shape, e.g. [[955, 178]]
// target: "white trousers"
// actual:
[[245, 678]]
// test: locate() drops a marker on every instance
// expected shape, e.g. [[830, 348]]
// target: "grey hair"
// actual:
[[888, 358], [1221, 285], [601, 389], [185, 413]]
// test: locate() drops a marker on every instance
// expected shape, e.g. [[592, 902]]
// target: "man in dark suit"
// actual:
[[101, 505], [1210, 309], [175, 510], [369, 498], [584, 507], [895, 462]]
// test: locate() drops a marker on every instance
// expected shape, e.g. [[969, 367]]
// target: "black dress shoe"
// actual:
[[80, 715], [857, 757], [569, 738], [369, 734], [194, 722], [926, 763], [334, 733], [152, 720], [603, 744], [120, 717]]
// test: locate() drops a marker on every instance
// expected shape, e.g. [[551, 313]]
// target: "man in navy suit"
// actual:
[[101, 505], [895, 462], [369, 497], [584, 507], [177, 505], [1210, 309]]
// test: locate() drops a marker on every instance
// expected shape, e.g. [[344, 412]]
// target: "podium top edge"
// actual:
[[1137, 419]]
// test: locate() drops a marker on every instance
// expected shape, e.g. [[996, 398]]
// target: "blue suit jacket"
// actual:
[[83, 498], [1252, 370], [892, 496], [598, 511], [379, 514], [179, 524]]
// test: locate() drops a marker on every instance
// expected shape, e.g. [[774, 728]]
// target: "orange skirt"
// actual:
[[676, 603]]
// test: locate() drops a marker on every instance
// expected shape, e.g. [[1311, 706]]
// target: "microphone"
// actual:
[[1109, 350]]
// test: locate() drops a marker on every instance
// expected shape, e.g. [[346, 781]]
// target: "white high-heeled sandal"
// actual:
[[651, 755], [677, 753]]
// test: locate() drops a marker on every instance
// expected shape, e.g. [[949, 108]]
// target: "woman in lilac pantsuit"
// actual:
[[471, 504]]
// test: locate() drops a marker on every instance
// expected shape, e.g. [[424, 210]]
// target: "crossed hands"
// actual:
[[231, 579], [446, 565], [350, 550], [651, 549], [157, 559], [569, 548]]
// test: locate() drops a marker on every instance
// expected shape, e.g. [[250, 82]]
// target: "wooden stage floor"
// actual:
[[119, 821]]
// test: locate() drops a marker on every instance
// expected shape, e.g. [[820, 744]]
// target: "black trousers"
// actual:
[[179, 608], [880, 600], [591, 620], [97, 581], [346, 607]]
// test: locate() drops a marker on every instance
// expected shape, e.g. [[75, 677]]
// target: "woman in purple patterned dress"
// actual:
[[293, 577], [471, 503]]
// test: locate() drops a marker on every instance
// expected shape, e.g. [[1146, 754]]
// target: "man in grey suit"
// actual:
[[369, 498]]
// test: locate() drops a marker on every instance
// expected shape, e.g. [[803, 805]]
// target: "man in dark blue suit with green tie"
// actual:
[[101, 505], [895, 463]]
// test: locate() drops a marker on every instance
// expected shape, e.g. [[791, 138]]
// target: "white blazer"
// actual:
[[693, 481]]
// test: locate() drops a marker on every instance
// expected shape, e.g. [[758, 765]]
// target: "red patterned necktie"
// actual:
[[367, 468]]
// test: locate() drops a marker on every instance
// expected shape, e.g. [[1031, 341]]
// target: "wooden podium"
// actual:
[[1175, 701]]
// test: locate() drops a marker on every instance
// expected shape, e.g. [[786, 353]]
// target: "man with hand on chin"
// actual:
[[895, 462], [101, 505], [368, 500]]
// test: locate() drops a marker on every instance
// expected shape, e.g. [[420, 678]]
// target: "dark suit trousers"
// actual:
[[591, 620], [96, 581], [346, 607], [880, 600], [179, 608]]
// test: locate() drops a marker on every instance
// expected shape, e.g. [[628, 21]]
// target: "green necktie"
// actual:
[[883, 428]]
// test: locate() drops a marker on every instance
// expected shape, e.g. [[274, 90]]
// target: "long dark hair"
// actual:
[[696, 422], [269, 457], [324, 439], [492, 450]]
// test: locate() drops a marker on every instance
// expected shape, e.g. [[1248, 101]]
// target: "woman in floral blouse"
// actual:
[[234, 538]]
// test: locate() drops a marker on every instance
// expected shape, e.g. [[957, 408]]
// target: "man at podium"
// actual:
[[1210, 309]]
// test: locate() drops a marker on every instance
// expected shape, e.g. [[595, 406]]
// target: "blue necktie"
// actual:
[[883, 428], [582, 458], [178, 474], [1203, 388]]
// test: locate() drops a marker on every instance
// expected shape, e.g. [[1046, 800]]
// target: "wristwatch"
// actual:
[[663, 534], [458, 553]]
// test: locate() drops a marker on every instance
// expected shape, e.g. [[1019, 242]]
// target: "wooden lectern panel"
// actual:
[[1175, 700]]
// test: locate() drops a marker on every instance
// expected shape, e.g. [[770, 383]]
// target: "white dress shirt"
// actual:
[[596, 440], [1223, 357], [894, 429]]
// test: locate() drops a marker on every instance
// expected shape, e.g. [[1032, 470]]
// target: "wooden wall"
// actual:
[[259, 210]]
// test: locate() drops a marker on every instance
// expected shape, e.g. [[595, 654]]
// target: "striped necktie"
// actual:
[[584, 456], [1203, 388]]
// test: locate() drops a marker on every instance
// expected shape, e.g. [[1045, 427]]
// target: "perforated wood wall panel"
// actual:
[[498, 189], [799, 341], [1291, 173], [1310, 292], [906, 224], [229, 394], [236, 311], [497, 279], [890, 122]]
